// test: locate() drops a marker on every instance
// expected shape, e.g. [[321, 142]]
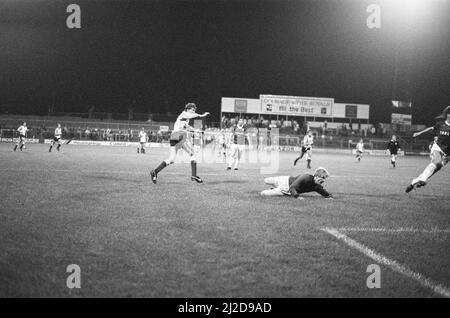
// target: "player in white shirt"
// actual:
[[307, 143], [22, 134], [221, 143], [238, 136], [359, 150], [179, 140], [143, 138], [56, 138]]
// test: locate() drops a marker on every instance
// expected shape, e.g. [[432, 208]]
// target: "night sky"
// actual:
[[156, 56]]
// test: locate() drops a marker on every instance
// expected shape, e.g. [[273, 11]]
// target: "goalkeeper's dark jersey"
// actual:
[[442, 131], [393, 147], [305, 183]]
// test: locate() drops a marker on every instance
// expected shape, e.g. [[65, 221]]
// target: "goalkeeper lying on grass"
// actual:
[[294, 186]]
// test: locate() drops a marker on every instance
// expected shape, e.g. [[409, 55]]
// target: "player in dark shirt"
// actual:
[[440, 151], [294, 186], [393, 147]]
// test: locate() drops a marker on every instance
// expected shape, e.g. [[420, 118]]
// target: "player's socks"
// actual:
[[21, 147], [58, 147], [228, 168], [15, 147], [309, 164], [297, 159], [236, 164], [138, 150], [161, 166], [50, 149], [193, 168], [427, 172]]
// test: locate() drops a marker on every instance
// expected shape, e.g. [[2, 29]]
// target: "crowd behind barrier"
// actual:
[[290, 133]]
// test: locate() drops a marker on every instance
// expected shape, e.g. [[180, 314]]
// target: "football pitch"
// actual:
[[96, 207]]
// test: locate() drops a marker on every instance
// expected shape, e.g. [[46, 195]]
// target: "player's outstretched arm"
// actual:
[[324, 193], [188, 115], [192, 129], [416, 134], [204, 114]]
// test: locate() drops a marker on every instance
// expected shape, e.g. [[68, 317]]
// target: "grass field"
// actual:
[[97, 207]]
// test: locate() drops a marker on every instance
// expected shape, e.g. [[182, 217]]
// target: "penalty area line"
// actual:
[[397, 230], [394, 265]]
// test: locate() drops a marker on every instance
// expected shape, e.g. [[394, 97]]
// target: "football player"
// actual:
[[143, 138], [179, 140], [221, 143], [294, 186], [359, 150], [430, 146], [22, 134], [237, 144], [56, 138], [440, 150], [393, 147], [307, 143]]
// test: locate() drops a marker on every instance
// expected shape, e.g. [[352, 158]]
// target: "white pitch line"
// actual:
[[398, 230], [395, 266]]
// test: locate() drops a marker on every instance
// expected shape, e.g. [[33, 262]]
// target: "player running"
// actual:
[[294, 186], [23, 129], [56, 138], [221, 143], [393, 147], [307, 143], [430, 146], [143, 138], [359, 150], [440, 151], [179, 140], [238, 134]]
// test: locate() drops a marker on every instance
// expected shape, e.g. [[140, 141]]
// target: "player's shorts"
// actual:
[[358, 152], [56, 139], [177, 138], [438, 156], [142, 142], [281, 182], [306, 148], [235, 147]]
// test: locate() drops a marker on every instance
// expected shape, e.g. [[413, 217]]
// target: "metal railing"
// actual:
[[409, 145]]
